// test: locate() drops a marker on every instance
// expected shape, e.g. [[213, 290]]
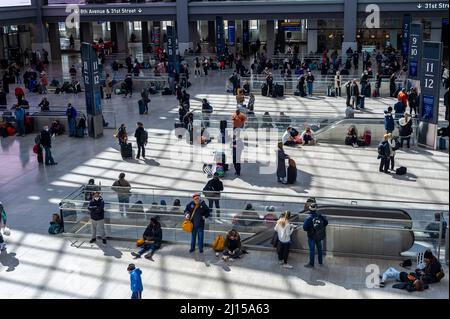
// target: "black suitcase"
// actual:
[[274, 91], [126, 150], [401, 170], [292, 173], [368, 90], [141, 107], [3, 100], [280, 90], [264, 89]]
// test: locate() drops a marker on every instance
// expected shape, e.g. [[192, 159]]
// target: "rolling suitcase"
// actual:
[[264, 89], [360, 103], [141, 107], [368, 89], [291, 172], [179, 130], [274, 91], [280, 90], [126, 150]]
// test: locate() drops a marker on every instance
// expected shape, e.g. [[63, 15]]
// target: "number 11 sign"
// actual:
[[430, 82]]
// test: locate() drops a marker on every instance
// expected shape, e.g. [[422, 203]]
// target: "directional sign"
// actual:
[[171, 49], [415, 51], [91, 79], [220, 36], [231, 32], [430, 81], [405, 34]]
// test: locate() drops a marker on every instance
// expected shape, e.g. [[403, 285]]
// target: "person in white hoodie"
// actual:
[[284, 231]]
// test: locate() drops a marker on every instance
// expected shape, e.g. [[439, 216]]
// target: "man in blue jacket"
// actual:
[[20, 120], [135, 281], [197, 211], [399, 109], [315, 225], [71, 113], [389, 120]]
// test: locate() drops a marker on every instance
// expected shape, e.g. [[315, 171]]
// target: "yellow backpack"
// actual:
[[219, 243]]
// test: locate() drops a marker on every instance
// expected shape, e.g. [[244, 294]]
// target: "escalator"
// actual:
[[353, 230]]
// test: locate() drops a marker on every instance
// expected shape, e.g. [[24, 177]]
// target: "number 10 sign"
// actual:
[[430, 81]]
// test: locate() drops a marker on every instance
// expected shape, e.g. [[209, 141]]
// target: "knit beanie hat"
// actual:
[[428, 255]]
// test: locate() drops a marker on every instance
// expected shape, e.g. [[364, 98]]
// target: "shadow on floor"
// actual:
[[9, 260]]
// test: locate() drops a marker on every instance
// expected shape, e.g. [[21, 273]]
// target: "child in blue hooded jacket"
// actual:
[[136, 281]]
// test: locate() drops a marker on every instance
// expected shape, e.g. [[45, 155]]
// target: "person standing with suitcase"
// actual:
[[315, 226], [46, 142], [141, 136], [309, 83]]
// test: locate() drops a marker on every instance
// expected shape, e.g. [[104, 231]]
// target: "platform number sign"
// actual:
[[171, 49], [429, 82], [415, 51], [405, 34], [91, 78]]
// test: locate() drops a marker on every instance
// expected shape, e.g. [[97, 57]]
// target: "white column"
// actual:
[[312, 35], [436, 30]]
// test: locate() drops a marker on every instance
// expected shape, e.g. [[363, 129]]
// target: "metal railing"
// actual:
[[128, 221]]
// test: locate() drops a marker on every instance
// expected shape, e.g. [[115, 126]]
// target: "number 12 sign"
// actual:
[[430, 81]]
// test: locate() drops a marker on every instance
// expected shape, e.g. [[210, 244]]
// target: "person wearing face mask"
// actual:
[[46, 142], [97, 213], [197, 211]]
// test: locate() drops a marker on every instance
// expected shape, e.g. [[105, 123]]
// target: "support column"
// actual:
[[436, 30], [212, 34], [39, 32], [86, 32], [312, 36], [195, 36], [157, 35], [350, 19], [119, 38], [145, 38], [280, 43], [270, 42], [55, 45], [183, 26]]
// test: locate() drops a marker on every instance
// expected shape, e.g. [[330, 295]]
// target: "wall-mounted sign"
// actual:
[[231, 32], [433, 5], [415, 51], [220, 36], [91, 79], [430, 81], [291, 26], [405, 34], [14, 3]]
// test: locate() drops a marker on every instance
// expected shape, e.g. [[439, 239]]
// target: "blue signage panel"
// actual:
[[220, 36], [415, 51], [91, 78], [171, 49], [246, 36], [231, 32], [405, 34], [430, 82]]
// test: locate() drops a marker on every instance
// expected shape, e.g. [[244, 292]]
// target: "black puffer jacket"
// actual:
[[405, 129]]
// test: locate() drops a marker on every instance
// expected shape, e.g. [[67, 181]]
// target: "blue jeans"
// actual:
[[20, 127], [48, 156], [310, 88], [136, 295], [312, 245], [72, 127], [147, 247], [197, 232]]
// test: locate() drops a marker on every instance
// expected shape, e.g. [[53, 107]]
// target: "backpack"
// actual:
[[37, 139], [54, 229], [144, 136], [397, 144], [318, 228], [382, 150], [218, 243]]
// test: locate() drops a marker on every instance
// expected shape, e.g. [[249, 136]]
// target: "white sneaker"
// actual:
[[280, 262], [287, 266]]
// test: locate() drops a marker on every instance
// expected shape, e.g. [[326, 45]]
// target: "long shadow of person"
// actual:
[[9, 260], [109, 250]]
